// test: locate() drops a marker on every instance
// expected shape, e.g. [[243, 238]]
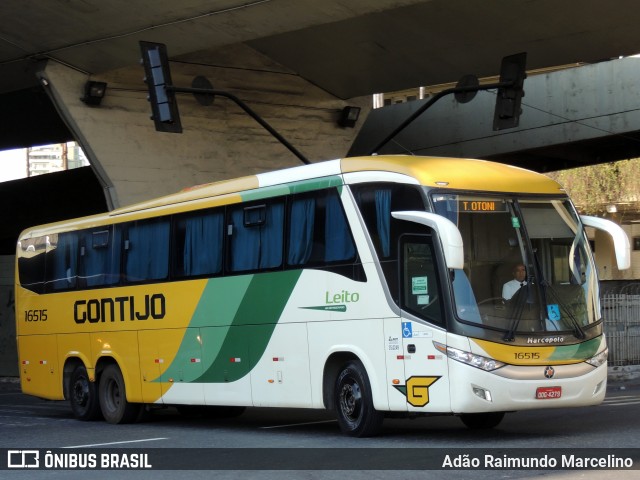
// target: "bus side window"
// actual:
[[302, 229], [376, 202], [256, 236], [31, 263], [147, 250], [319, 232], [339, 245], [198, 243], [421, 290], [62, 261], [100, 251]]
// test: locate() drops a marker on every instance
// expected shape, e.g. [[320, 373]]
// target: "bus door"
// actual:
[[423, 323]]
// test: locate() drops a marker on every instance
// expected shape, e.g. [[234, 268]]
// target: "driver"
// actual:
[[512, 286]]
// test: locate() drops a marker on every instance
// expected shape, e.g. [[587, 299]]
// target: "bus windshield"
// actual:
[[527, 267]]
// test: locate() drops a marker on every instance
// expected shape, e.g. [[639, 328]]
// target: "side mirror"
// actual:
[[620, 239], [447, 231]]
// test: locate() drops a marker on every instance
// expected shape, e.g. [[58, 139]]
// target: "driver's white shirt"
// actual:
[[511, 287]]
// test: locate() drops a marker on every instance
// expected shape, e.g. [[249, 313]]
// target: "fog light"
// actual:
[[598, 388], [482, 393]]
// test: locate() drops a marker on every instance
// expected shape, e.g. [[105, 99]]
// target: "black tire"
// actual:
[[354, 402], [113, 398], [482, 420], [83, 395]]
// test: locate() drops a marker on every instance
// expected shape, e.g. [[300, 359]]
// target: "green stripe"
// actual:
[[235, 319], [579, 351], [295, 187]]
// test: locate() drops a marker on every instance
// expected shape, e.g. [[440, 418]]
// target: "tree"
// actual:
[[595, 187]]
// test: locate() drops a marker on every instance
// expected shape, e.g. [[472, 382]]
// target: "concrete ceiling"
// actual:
[[347, 47]]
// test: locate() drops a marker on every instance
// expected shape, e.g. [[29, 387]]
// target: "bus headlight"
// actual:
[[599, 358], [478, 361]]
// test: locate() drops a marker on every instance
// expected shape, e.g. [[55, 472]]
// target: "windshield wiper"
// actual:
[[577, 329], [522, 297]]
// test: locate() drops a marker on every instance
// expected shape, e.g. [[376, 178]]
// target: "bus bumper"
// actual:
[[476, 391]]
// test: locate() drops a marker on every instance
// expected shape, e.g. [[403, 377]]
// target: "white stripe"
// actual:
[[117, 443], [617, 404], [295, 174], [298, 424]]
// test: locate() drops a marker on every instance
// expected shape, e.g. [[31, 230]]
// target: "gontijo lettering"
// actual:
[[120, 309]]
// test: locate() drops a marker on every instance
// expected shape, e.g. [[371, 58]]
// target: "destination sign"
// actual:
[[481, 205]]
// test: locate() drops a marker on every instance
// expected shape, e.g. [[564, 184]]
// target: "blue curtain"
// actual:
[[245, 244], [101, 260], [338, 242], [65, 262], [114, 256], [148, 253], [271, 234], [203, 244], [257, 245], [383, 220], [301, 231]]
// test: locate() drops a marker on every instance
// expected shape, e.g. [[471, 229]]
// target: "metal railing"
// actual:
[[621, 313]]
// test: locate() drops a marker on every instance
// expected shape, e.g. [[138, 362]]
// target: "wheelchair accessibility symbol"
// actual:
[[553, 312], [407, 330]]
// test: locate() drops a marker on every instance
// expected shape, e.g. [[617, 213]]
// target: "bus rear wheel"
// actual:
[[83, 395], [354, 403], [113, 397], [482, 420]]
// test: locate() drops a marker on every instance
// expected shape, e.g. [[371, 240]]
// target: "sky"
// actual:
[[13, 164]]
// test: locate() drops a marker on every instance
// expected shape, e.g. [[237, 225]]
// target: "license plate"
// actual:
[[544, 393]]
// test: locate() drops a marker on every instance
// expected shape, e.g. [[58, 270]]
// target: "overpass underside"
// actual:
[[570, 118]]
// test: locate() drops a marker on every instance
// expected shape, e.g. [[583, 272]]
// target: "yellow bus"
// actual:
[[370, 286]]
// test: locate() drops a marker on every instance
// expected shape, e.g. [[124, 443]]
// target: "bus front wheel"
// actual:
[[354, 404], [113, 397], [83, 395]]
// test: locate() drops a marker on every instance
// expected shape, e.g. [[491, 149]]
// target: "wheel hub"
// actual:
[[81, 393], [350, 398]]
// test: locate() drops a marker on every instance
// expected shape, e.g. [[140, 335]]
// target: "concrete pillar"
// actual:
[[8, 346], [136, 163]]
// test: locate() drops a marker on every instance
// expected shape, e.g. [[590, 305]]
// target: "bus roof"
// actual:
[[454, 173], [458, 173], [437, 172]]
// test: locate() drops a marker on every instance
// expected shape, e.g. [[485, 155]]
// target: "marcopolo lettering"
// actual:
[[120, 309]]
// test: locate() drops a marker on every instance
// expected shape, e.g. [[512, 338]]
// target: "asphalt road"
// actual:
[[288, 443]]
